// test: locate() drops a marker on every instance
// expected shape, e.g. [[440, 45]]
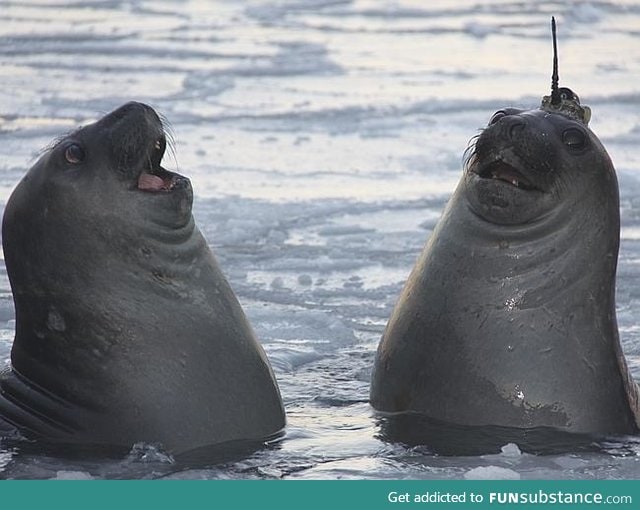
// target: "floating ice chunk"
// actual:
[[143, 452], [344, 230], [290, 358], [305, 279], [72, 475], [491, 473], [479, 30], [586, 13], [355, 282], [511, 450], [238, 230], [571, 462], [320, 329], [270, 472], [293, 338]]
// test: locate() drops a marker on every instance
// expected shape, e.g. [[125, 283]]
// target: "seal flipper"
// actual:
[[631, 387], [33, 410]]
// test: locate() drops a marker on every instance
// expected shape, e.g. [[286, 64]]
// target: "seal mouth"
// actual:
[[502, 171], [154, 178]]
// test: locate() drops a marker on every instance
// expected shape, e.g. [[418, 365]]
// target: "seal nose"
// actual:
[[136, 134], [132, 112], [508, 123]]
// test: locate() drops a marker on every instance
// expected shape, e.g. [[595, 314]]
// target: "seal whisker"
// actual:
[[171, 140], [469, 154], [171, 147]]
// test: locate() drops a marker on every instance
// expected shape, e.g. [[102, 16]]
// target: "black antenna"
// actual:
[[563, 100], [555, 93]]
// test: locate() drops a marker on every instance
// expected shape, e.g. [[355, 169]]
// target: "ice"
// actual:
[[305, 279], [587, 13], [72, 475], [323, 140], [491, 473], [149, 453], [511, 450], [479, 30]]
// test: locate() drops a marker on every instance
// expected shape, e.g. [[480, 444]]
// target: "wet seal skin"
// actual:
[[508, 317], [126, 329]]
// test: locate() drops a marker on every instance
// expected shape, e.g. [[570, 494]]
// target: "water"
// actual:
[[323, 138]]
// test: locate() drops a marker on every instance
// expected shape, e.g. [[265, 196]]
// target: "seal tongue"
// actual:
[[150, 182]]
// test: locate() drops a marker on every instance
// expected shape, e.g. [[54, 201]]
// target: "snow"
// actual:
[[323, 139]]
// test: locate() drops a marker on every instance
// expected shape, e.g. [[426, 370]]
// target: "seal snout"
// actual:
[[505, 149], [139, 143]]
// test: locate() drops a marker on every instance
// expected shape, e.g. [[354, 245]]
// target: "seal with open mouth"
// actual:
[[508, 318], [126, 329]]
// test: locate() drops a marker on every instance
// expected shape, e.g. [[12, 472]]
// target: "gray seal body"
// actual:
[[126, 329], [508, 317]]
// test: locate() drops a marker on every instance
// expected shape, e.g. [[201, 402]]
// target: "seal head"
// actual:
[[512, 175]]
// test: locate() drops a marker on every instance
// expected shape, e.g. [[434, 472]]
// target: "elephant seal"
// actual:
[[508, 317], [126, 329]]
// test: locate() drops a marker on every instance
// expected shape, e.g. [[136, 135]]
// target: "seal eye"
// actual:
[[574, 139], [496, 117], [74, 154]]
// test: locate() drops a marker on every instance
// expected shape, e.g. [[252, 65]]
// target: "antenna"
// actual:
[[555, 93], [562, 99]]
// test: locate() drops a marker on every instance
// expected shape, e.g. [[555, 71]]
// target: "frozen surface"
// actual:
[[323, 138]]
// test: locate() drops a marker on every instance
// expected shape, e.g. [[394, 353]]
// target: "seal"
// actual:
[[126, 329], [508, 317]]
